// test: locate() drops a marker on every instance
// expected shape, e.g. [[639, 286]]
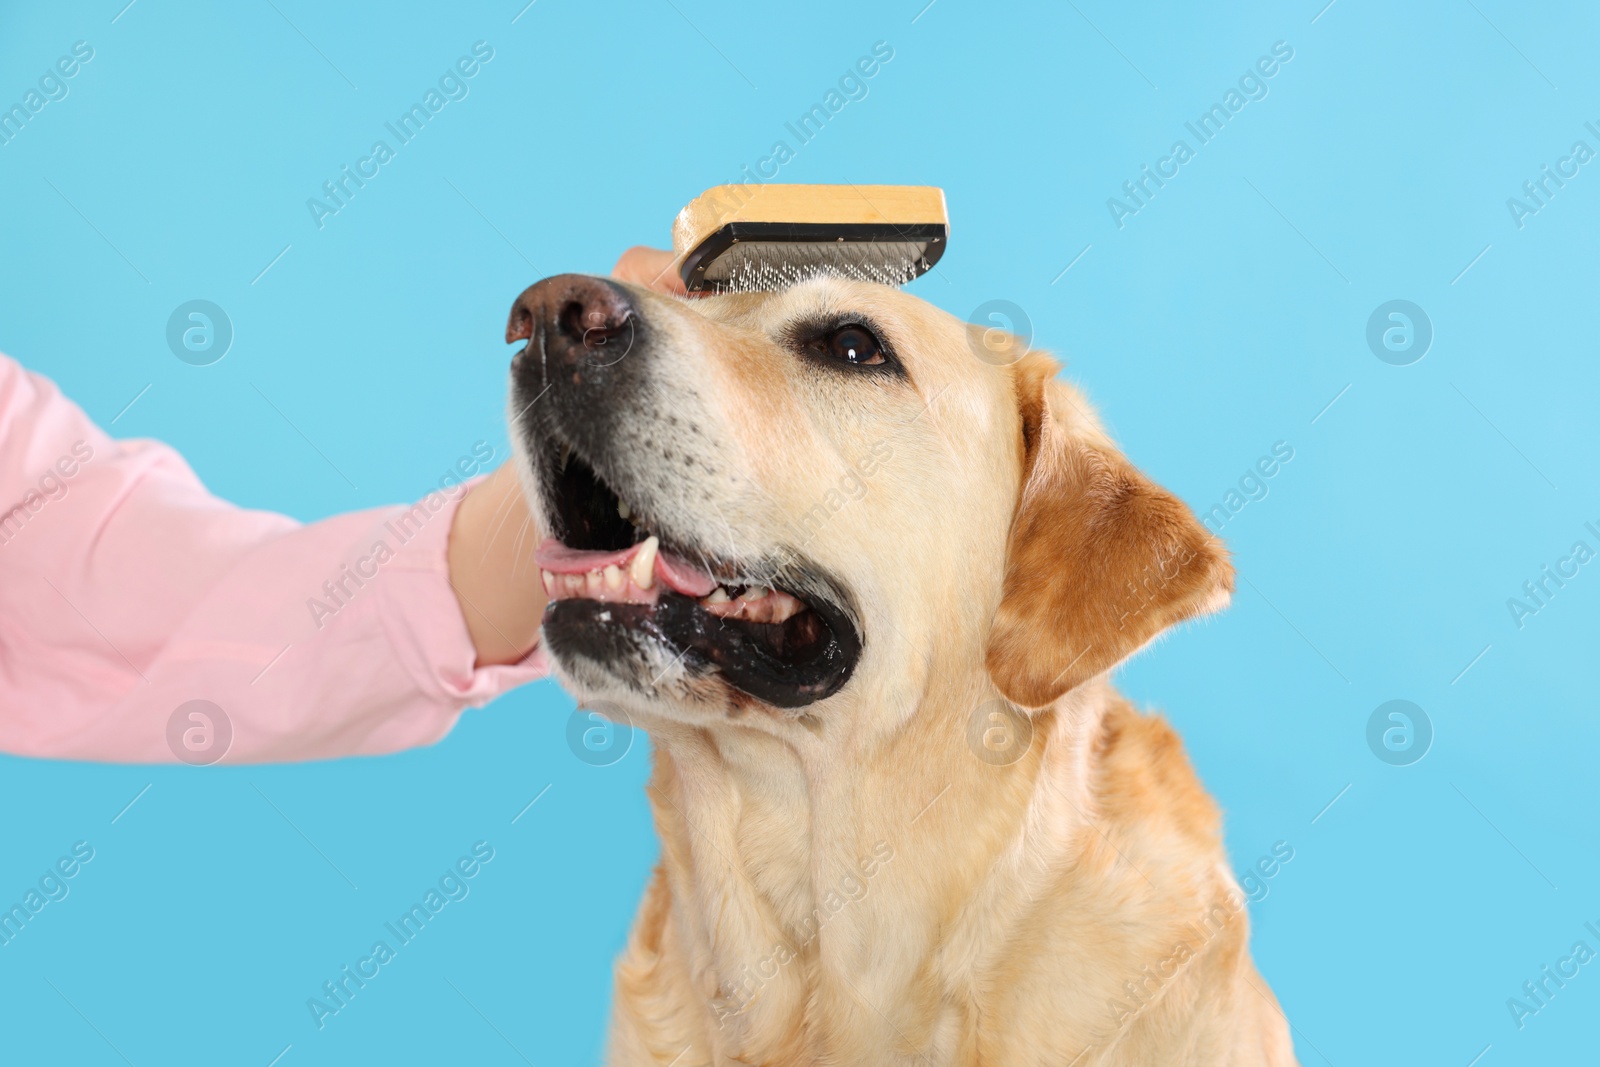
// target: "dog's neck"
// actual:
[[773, 854]]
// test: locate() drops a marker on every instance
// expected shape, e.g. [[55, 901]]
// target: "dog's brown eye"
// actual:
[[853, 344]]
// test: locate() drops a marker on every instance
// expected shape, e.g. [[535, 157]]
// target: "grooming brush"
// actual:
[[737, 238]]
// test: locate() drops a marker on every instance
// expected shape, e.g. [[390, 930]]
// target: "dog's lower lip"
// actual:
[[787, 665]]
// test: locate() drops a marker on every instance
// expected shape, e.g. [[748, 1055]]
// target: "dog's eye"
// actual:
[[852, 344]]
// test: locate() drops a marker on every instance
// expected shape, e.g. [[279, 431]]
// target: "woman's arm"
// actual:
[[129, 594], [144, 620]]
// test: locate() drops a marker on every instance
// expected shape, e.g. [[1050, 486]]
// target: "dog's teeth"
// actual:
[[643, 568], [718, 595], [591, 584], [549, 583], [755, 592], [613, 576], [623, 510], [574, 583]]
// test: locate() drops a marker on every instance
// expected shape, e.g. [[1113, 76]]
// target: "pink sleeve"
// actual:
[[144, 620]]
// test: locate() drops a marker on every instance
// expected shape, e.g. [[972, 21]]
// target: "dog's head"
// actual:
[[824, 498]]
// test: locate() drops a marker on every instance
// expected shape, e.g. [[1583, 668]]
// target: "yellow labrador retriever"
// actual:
[[864, 590]]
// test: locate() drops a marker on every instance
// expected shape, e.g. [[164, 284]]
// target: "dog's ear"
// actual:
[[1100, 560]]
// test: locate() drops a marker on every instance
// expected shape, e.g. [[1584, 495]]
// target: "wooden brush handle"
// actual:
[[886, 205]]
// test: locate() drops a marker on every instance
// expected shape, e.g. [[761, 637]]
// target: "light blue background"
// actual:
[[1222, 318]]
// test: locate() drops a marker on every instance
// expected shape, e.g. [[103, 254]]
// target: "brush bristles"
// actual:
[[759, 266], [768, 236]]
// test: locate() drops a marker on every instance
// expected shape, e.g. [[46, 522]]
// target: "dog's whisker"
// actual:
[[518, 553], [497, 520]]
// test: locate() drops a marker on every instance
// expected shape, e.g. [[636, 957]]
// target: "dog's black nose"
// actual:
[[579, 315]]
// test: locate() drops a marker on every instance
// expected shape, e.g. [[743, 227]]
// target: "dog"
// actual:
[[864, 589]]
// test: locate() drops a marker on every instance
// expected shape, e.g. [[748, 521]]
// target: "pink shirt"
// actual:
[[127, 593]]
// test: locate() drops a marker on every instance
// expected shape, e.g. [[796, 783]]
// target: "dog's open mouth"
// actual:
[[773, 629]]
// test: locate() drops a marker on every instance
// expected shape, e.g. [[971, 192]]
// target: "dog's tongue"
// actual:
[[672, 571]]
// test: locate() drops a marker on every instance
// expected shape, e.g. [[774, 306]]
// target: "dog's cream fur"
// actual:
[[856, 885]]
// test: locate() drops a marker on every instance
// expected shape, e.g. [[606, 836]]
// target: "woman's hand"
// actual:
[[654, 268], [492, 571]]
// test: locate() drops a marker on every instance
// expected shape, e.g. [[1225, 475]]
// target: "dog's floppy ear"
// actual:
[[1100, 558]]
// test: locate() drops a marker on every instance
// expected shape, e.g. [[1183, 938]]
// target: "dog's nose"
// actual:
[[577, 314]]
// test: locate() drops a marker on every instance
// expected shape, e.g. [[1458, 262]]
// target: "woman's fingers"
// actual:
[[655, 268], [492, 571]]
